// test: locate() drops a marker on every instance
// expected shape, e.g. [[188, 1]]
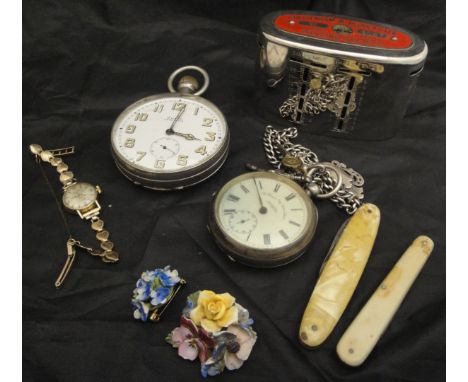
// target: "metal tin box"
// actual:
[[336, 75]]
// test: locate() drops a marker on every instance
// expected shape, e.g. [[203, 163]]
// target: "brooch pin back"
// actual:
[[154, 292]]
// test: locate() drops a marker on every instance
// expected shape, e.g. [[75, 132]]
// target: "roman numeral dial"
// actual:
[[263, 211]]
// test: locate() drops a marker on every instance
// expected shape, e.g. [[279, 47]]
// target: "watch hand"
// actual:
[[167, 148], [263, 210], [243, 221], [189, 137], [171, 131]]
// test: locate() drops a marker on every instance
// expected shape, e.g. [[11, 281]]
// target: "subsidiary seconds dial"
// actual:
[[262, 219]]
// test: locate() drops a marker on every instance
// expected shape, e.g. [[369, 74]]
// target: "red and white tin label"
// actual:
[[342, 30]]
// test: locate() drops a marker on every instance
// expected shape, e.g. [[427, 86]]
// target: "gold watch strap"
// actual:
[[109, 255], [53, 157]]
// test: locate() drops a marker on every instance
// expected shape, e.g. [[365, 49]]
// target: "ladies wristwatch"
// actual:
[[80, 198]]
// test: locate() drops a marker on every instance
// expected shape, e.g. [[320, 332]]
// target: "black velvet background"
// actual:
[[84, 61]]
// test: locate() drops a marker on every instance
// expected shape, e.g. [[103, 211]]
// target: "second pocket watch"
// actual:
[[171, 140], [262, 219]]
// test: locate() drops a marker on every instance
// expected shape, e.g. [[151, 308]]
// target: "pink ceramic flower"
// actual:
[[191, 341]]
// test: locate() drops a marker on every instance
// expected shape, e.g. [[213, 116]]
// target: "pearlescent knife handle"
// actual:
[[362, 335], [340, 275]]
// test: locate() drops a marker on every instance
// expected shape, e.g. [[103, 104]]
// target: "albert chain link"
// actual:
[[322, 91], [342, 185], [277, 143], [318, 100]]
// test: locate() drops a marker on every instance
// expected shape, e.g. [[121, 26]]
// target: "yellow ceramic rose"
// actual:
[[214, 311]]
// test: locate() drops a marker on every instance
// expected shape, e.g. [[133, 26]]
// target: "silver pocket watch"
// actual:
[[267, 218], [171, 140], [262, 219]]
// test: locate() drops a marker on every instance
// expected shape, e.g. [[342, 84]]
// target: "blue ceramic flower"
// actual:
[[173, 276], [141, 310], [153, 289], [244, 319], [166, 280], [212, 369], [190, 304], [142, 290], [149, 276], [160, 295]]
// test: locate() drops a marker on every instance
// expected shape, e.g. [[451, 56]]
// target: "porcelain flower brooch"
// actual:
[[216, 330], [154, 291]]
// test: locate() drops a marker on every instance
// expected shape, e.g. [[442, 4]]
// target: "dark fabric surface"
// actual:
[[84, 62]]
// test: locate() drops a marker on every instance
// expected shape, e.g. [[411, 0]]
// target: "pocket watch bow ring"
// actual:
[[171, 140], [80, 198]]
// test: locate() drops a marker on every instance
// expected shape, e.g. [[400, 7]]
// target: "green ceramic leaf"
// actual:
[[193, 298]]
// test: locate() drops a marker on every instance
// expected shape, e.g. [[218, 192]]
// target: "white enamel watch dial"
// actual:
[[141, 135], [263, 219], [170, 140], [79, 196]]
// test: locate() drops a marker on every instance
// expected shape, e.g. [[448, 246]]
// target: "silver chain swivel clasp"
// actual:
[[325, 180]]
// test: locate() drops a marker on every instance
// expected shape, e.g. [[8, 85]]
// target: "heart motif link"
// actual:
[[97, 225], [66, 176], [110, 257], [55, 161], [46, 155], [107, 245], [61, 167], [102, 235]]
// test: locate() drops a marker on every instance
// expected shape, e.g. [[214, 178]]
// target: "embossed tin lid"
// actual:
[[343, 36]]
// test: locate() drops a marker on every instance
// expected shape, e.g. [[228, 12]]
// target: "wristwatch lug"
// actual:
[[65, 186], [90, 212], [98, 189]]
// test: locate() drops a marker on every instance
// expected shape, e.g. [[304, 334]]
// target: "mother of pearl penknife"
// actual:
[[362, 335], [340, 275]]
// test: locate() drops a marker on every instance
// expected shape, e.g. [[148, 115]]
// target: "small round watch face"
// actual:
[[168, 134], [263, 213], [79, 196]]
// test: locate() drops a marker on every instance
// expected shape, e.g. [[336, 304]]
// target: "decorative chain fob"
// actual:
[[324, 180]]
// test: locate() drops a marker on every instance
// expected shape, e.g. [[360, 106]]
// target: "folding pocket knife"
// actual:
[[340, 275], [362, 335]]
